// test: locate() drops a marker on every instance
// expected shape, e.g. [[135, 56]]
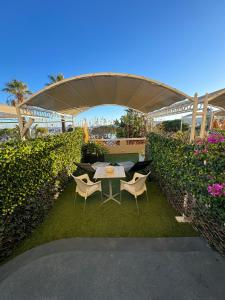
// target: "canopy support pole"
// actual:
[[149, 123], [181, 124], [146, 123], [20, 119], [211, 120], [73, 122], [194, 114], [204, 116], [63, 123]]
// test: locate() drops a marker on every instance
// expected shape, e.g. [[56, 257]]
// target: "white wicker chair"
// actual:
[[136, 186], [85, 187]]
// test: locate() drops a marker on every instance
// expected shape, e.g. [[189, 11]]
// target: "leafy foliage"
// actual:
[[104, 131], [173, 126], [32, 173], [9, 134], [196, 168], [55, 78], [18, 89], [27, 166], [93, 151], [131, 125], [41, 131]]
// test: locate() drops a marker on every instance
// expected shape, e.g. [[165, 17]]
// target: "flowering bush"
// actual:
[[217, 189], [199, 170], [215, 138], [201, 150]]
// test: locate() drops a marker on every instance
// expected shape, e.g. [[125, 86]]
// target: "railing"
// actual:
[[123, 145]]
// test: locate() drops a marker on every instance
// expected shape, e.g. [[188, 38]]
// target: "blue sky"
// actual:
[[181, 43]]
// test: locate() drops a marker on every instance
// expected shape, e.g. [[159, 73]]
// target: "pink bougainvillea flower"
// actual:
[[199, 141], [217, 189], [196, 152], [204, 151], [215, 138]]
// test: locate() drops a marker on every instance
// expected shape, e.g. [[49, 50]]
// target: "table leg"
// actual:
[[110, 195]]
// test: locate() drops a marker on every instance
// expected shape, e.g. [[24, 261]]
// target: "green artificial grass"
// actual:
[[113, 158], [156, 218]]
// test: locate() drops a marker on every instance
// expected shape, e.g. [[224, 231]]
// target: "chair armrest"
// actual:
[[97, 183], [123, 181], [126, 182], [85, 176], [137, 175]]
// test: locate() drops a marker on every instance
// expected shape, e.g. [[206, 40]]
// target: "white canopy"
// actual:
[[76, 94], [217, 98]]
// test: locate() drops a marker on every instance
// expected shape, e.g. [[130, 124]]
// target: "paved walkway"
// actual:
[[116, 268]]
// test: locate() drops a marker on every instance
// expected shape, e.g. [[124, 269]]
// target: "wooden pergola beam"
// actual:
[[211, 120], [194, 114], [20, 118], [204, 116]]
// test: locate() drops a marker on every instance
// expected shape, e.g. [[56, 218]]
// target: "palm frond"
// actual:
[[17, 88], [55, 78]]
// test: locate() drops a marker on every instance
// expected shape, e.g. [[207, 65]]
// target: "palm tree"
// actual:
[[55, 78], [18, 89]]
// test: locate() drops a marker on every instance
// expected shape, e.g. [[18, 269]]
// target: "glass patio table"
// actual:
[[118, 172]]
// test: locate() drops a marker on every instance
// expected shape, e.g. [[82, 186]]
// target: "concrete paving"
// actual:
[[116, 268]]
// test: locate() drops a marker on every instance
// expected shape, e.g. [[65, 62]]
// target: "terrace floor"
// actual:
[[156, 218], [116, 268]]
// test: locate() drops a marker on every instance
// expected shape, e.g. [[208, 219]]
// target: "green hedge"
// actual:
[[194, 169], [32, 174]]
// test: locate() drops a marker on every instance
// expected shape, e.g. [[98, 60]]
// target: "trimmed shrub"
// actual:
[[93, 151], [174, 126], [32, 175], [195, 171]]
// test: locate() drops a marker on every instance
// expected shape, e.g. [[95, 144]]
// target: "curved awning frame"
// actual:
[[85, 91]]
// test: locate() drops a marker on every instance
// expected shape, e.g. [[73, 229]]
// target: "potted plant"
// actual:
[[93, 152]]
